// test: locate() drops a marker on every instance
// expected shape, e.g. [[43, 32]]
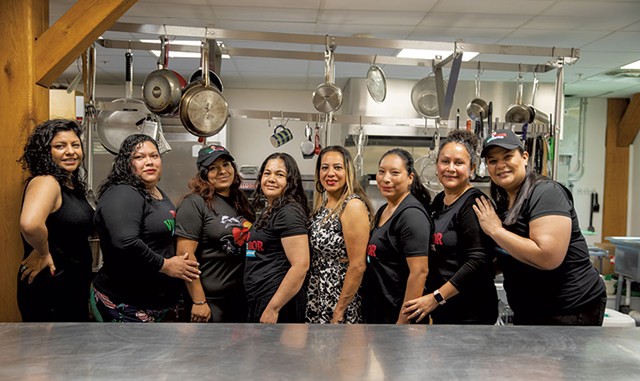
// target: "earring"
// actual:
[[320, 188]]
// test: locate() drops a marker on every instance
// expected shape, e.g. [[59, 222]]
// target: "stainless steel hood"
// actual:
[[393, 122]]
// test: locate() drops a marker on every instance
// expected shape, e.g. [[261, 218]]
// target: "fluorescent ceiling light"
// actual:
[[431, 54], [632, 65], [177, 54]]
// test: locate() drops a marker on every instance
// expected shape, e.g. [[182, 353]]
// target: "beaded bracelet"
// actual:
[[199, 303]]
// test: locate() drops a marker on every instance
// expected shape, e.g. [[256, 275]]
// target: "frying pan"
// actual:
[[213, 78], [119, 118], [477, 105], [536, 116], [517, 112], [327, 97], [203, 109], [162, 90], [376, 83]]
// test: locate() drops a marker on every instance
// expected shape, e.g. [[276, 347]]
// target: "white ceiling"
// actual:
[[607, 32]]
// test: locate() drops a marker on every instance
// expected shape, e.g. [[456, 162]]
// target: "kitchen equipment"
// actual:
[[517, 112], [280, 137], [477, 105], [213, 78], [162, 89], [376, 83], [203, 109], [306, 146], [535, 115], [327, 97], [119, 119], [424, 97], [318, 147]]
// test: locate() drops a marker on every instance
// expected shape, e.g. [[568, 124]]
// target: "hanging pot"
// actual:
[[162, 90], [518, 113], [424, 97], [203, 109], [477, 105], [120, 118], [213, 78], [327, 97], [535, 115]]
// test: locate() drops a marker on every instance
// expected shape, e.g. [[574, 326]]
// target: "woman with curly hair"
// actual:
[[212, 225], [135, 219], [277, 257], [55, 222], [460, 287], [339, 235]]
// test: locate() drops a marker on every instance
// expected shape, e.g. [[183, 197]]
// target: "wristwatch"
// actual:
[[439, 298]]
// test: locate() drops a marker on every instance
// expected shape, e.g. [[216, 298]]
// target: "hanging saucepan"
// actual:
[[203, 109], [536, 116], [119, 119], [327, 97], [376, 83], [162, 90], [477, 105], [518, 113], [424, 97]]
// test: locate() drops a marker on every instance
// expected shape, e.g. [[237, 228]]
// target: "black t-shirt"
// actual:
[[406, 234], [571, 285], [459, 255], [221, 237], [136, 236], [266, 262]]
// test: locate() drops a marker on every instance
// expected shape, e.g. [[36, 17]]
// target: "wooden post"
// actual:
[[616, 173]]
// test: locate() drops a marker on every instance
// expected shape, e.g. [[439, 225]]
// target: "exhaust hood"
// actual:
[[393, 122]]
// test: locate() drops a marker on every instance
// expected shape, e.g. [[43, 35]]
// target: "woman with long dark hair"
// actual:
[[135, 219], [339, 235], [277, 256], [460, 287], [56, 221], [548, 276], [212, 225], [397, 254]]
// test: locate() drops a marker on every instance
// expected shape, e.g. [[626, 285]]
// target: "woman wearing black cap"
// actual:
[[548, 276], [212, 225]]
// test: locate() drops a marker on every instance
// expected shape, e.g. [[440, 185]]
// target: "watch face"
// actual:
[[376, 83]]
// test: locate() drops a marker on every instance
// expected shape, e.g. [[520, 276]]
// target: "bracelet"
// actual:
[[199, 303]]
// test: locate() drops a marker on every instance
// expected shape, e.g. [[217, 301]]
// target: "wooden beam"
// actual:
[[630, 123], [73, 33], [616, 174], [23, 104]]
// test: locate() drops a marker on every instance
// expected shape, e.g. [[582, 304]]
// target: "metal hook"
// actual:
[[374, 60], [269, 120]]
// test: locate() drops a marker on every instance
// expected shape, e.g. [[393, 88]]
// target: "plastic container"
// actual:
[[613, 318], [627, 256]]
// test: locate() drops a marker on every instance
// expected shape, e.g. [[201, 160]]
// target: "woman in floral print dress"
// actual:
[[339, 235]]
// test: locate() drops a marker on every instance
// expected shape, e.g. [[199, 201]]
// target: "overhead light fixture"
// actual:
[[632, 65], [178, 54], [431, 54]]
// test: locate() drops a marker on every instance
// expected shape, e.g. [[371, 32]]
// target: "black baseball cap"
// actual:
[[506, 139], [209, 154]]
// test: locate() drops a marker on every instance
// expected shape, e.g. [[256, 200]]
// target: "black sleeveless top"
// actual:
[[69, 229]]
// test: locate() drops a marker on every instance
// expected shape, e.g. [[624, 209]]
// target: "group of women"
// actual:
[[273, 260]]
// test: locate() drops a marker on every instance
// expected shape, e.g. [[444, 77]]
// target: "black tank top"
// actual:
[[68, 231]]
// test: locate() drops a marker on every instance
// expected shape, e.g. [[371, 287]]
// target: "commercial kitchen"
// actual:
[[330, 73]]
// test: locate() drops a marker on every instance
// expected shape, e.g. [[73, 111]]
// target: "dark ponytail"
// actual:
[[419, 191]]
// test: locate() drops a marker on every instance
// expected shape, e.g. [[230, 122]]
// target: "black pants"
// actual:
[[590, 314], [292, 312], [229, 309]]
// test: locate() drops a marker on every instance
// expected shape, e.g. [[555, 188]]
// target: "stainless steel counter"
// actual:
[[180, 351]]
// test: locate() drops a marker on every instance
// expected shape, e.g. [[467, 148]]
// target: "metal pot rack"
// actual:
[[556, 59]]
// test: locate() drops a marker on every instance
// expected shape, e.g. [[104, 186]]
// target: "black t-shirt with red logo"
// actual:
[[406, 234], [266, 262], [573, 284], [460, 254]]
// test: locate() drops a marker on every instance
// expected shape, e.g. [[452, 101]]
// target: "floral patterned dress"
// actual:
[[329, 263]]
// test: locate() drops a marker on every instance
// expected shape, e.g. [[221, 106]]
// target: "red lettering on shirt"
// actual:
[[371, 250], [254, 245], [437, 238]]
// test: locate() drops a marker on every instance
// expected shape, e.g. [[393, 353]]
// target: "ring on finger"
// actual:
[[23, 267]]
